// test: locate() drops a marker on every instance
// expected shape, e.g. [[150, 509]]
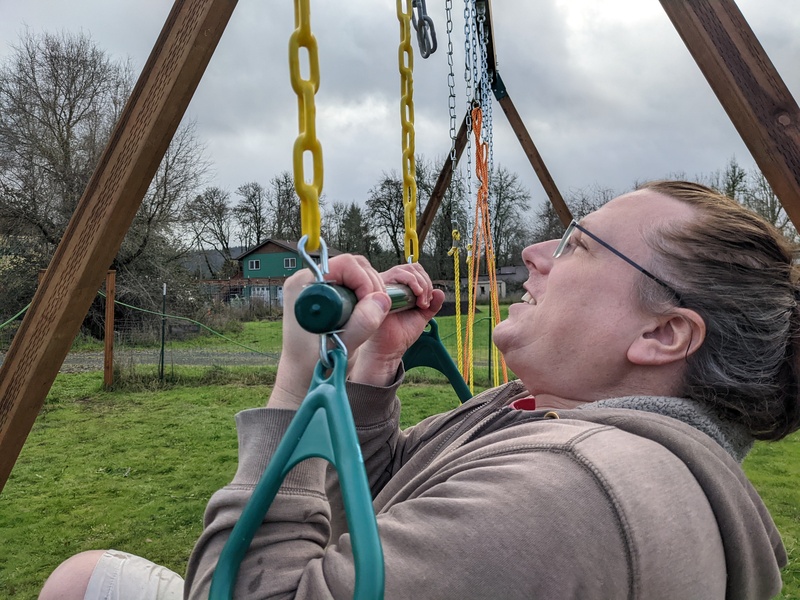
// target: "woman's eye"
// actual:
[[574, 242], [569, 247]]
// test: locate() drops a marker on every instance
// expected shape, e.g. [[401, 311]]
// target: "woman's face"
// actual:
[[570, 335]]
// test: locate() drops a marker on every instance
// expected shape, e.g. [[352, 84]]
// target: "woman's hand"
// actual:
[[378, 358], [389, 335]]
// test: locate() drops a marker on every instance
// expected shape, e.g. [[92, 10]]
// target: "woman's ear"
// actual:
[[668, 338]]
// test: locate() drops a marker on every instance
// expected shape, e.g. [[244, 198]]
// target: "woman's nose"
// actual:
[[539, 257]]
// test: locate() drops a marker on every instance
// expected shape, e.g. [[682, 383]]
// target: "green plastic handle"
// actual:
[[326, 307], [323, 427]]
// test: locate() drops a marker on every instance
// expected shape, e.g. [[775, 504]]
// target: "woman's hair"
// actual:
[[737, 272]]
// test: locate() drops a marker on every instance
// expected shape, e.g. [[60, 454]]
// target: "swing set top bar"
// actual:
[[725, 48]]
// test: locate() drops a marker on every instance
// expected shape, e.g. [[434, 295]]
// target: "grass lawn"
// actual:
[[134, 469], [774, 470], [266, 335]]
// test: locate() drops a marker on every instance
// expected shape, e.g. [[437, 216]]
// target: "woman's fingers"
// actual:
[[371, 310], [367, 318], [415, 277]]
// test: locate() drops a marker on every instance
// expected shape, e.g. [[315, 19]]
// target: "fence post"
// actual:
[[163, 333], [108, 348]]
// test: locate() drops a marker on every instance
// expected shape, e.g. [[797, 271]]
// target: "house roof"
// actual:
[[286, 245]]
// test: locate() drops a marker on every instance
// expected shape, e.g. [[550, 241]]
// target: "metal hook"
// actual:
[[319, 274], [324, 352], [319, 270]]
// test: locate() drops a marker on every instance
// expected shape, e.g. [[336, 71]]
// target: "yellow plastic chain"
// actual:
[[405, 58], [457, 287], [469, 343], [306, 141]]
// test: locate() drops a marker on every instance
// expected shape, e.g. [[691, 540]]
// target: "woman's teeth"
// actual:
[[528, 299]]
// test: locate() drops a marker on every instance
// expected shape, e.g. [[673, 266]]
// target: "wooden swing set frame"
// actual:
[[716, 33]]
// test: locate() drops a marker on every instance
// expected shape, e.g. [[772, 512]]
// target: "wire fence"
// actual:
[[227, 335]]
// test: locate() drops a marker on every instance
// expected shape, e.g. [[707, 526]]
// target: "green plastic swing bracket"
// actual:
[[428, 351], [323, 427]]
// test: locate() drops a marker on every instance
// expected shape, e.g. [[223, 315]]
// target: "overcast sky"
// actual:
[[607, 89]]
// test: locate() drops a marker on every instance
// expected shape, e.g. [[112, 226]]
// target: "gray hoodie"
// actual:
[[489, 502]]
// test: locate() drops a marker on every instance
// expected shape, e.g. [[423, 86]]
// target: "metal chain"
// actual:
[[451, 81], [469, 18], [487, 171], [467, 51], [486, 87], [451, 103], [405, 57], [474, 44], [423, 25], [306, 141], [454, 249]]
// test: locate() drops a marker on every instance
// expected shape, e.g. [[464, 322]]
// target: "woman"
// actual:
[[654, 343]]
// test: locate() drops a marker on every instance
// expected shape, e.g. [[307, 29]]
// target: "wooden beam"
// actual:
[[536, 160], [103, 215], [442, 183], [749, 88]]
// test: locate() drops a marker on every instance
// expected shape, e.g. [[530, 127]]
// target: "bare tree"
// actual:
[[209, 217], [427, 173], [760, 198], [547, 224], [586, 200], [733, 181], [251, 214], [333, 224], [452, 214], [60, 97], [752, 189], [284, 208], [180, 174], [509, 203], [386, 211]]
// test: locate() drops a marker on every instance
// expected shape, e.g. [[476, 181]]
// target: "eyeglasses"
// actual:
[[574, 225]]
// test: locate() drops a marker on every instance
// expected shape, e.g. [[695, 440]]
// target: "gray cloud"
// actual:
[[607, 90]]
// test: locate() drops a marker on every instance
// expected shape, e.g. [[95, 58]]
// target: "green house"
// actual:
[[265, 268]]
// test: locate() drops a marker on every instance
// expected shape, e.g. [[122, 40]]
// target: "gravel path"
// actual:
[[81, 362]]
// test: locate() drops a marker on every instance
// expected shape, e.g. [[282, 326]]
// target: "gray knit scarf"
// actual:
[[732, 436]]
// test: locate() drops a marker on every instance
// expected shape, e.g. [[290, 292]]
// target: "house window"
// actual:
[[289, 263], [254, 265]]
